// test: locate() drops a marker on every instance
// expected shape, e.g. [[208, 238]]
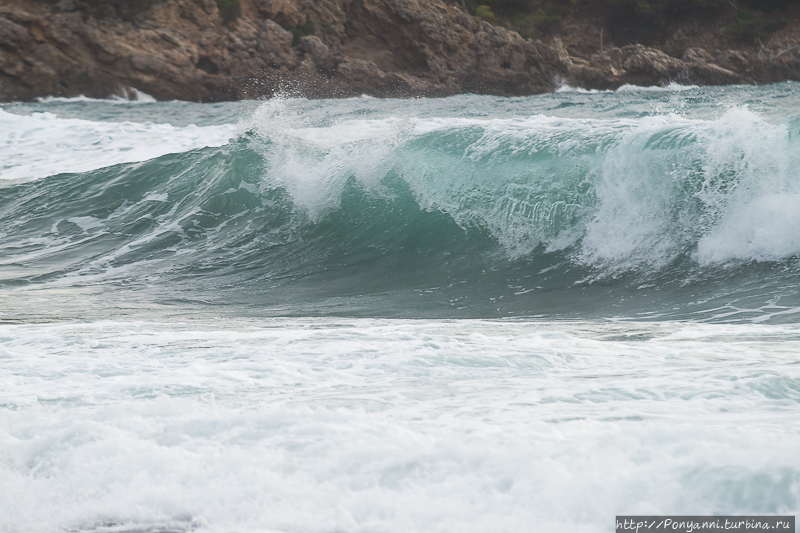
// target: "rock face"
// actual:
[[191, 50], [187, 49], [638, 65]]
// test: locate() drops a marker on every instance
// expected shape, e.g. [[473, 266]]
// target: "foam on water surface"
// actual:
[[130, 96], [42, 144], [627, 88], [319, 425]]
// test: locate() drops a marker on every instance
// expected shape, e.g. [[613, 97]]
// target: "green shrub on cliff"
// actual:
[[229, 9], [768, 6], [630, 21], [531, 18], [647, 21], [298, 32], [776, 24], [751, 25], [694, 6], [538, 21], [659, 7], [485, 12], [745, 25]]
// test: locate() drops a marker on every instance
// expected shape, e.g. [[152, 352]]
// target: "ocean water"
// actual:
[[467, 314]]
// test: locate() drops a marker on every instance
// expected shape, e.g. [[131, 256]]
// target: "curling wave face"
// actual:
[[631, 204]]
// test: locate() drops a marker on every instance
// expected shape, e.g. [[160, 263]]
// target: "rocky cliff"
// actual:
[[219, 50]]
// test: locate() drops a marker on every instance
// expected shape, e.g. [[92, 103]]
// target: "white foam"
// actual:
[[725, 189], [131, 96], [628, 88], [87, 223], [636, 188], [670, 87], [396, 426], [566, 88], [762, 228], [41, 144], [314, 162], [755, 213]]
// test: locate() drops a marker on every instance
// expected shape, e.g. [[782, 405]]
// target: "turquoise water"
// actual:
[[462, 314], [671, 204]]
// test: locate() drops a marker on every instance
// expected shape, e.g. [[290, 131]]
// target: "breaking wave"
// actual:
[[660, 215]]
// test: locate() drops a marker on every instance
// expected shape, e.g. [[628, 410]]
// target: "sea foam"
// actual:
[[319, 425], [42, 144]]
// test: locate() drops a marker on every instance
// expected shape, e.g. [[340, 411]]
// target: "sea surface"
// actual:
[[468, 314]]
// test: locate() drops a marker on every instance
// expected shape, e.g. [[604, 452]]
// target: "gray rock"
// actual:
[[184, 49]]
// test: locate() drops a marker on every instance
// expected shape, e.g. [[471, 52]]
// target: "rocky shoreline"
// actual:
[[197, 50]]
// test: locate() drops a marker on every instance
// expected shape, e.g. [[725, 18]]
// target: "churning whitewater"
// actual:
[[463, 314]]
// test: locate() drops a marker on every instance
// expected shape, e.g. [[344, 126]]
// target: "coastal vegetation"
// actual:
[[530, 18], [631, 20], [298, 32], [229, 9], [628, 21]]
